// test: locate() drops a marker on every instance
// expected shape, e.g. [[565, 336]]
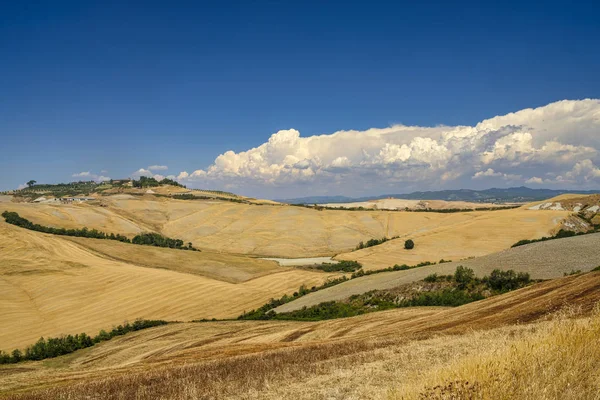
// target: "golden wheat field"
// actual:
[[50, 285], [487, 349]]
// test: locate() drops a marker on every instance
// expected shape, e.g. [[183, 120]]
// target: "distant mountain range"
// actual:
[[494, 195]]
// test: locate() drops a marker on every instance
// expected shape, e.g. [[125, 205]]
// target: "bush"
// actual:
[[344, 266], [559, 235], [373, 242], [463, 276], [54, 347], [504, 281], [409, 244], [431, 278], [15, 219], [154, 239], [150, 239], [446, 297]]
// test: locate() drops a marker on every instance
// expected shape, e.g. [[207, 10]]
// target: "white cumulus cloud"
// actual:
[[158, 168], [147, 173], [560, 141], [91, 176]]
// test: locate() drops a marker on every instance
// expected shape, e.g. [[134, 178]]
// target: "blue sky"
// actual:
[[103, 86]]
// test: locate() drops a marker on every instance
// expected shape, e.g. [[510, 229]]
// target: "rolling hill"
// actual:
[[369, 356], [543, 260], [503, 195], [292, 232], [52, 285]]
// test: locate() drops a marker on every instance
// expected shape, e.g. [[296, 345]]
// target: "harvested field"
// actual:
[[50, 285], [371, 356], [220, 266], [543, 260]]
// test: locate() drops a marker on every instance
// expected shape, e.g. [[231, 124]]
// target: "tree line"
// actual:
[[266, 311], [461, 288], [146, 181], [54, 347], [147, 239], [559, 235]]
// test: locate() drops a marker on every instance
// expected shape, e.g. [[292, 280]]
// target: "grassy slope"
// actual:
[[361, 357], [221, 266], [52, 286], [542, 260]]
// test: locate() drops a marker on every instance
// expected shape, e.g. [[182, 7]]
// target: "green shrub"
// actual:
[[344, 266], [155, 239], [54, 347], [409, 244], [503, 281], [431, 278], [150, 239], [446, 297], [373, 242], [463, 276], [559, 235]]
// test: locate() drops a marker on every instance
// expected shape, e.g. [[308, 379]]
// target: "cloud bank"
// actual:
[[87, 176], [557, 144], [148, 173]]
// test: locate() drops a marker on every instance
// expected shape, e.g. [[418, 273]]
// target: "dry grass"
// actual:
[[366, 357], [221, 266], [560, 360], [555, 359]]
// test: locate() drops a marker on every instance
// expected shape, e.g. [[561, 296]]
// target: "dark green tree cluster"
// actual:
[[442, 298], [504, 281], [341, 266], [409, 244], [373, 242], [15, 219], [167, 181], [266, 311], [54, 347], [155, 239], [559, 235], [145, 181], [185, 196], [58, 190], [148, 239], [460, 288]]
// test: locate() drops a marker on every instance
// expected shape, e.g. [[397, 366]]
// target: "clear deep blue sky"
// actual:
[[110, 86]]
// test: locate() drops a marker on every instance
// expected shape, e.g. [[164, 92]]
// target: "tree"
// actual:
[[463, 276], [17, 355], [31, 183], [409, 244]]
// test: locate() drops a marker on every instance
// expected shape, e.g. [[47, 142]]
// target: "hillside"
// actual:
[[368, 356], [402, 204], [52, 285], [544, 260], [292, 232], [496, 195], [458, 236]]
